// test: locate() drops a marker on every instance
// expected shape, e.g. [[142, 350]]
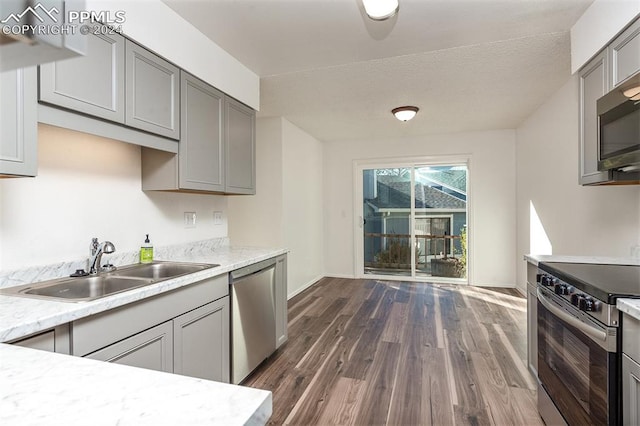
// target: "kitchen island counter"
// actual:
[[44, 388]]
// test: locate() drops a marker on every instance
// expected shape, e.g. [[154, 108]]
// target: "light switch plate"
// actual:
[[217, 218], [189, 219]]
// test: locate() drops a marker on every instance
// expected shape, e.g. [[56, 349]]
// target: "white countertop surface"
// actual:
[[629, 306], [44, 388], [22, 316], [605, 260]]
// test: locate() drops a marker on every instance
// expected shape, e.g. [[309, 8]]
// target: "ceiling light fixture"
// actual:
[[632, 93], [379, 10], [405, 113]]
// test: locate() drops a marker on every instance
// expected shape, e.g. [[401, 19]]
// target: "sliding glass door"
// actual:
[[414, 221]]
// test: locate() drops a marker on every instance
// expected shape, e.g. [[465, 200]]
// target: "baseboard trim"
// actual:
[[305, 286]]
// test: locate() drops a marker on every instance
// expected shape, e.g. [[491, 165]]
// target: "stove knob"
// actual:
[[587, 304], [575, 299], [562, 289], [548, 281], [539, 278]]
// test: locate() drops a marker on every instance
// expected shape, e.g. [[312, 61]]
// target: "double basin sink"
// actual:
[[79, 289]]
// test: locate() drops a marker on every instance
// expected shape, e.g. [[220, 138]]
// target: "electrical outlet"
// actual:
[[217, 218], [189, 219]]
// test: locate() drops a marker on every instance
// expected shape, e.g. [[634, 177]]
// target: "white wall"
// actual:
[[491, 176], [287, 208], [256, 220], [302, 182], [87, 187], [159, 28], [578, 220]]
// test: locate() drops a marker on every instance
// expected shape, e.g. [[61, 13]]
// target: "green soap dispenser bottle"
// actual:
[[146, 251]]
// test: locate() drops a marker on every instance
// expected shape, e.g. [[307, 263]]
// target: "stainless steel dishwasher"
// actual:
[[253, 317]]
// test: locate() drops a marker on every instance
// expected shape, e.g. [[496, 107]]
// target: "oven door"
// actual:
[[577, 362]]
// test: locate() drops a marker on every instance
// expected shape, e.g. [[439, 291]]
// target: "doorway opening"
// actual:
[[414, 221]]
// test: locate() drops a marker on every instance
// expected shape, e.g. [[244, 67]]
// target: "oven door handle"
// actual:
[[591, 331]]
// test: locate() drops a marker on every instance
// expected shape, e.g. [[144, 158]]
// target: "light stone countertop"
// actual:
[[605, 260], [22, 316], [629, 306], [44, 388]]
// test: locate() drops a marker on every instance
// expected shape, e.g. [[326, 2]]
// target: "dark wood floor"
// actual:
[[369, 352]]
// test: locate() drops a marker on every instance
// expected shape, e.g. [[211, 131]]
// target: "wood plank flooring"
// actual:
[[370, 352]]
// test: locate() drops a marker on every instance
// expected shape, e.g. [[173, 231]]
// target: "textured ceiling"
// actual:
[[468, 64]]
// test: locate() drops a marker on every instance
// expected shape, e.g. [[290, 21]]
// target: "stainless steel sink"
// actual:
[[160, 270], [93, 287], [85, 288]]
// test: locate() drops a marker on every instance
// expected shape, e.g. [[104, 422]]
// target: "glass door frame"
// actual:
[[408, 162]]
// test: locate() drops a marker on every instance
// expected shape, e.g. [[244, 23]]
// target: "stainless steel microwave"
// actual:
[[619, 127]]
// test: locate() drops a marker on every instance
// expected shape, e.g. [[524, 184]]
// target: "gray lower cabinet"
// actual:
[[624, 54], [630, 391], [199, 340], [630, 370], [240, 148], [151, 349], [281, 300], [18, 122], [185, 331], [54, 340], [93, 84], [44, 341], [152, 92], [532, 319]]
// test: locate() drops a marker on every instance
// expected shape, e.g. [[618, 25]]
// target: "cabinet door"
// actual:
[[624, 54], [152, 92], [92, 84], [151, 349], [201, 155], [281, 300], [45, 342], [201, 339], [240, 148], [18, 122], [630, 391], [593, 84]]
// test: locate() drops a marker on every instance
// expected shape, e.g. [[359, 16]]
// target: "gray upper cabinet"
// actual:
[[613, 65], [201, 146], [92, 84], [240, 148], [593, 85], [624, 54], [199, 165], [18, 123], [152, 92]]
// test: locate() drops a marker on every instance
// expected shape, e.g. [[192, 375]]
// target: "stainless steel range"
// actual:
[[579, 341]]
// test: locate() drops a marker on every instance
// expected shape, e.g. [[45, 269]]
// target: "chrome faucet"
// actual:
[[97, 250]]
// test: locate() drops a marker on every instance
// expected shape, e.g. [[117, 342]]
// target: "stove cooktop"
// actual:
[[603, 282]]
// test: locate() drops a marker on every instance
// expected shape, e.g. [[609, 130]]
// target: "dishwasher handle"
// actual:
[[253, 269]]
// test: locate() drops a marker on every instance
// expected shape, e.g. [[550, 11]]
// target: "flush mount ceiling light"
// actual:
[[379, 10], [632, 93], [405, 113]]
